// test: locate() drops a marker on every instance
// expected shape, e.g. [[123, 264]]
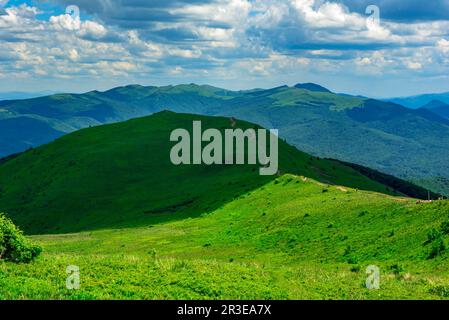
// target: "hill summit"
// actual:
[[312, 87]]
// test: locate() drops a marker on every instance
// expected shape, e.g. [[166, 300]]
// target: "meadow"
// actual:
[[292, 238]]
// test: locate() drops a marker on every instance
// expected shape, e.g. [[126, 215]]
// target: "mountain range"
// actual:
[[410, 144]]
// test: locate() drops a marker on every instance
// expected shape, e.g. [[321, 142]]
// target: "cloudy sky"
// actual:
[[378, 48]]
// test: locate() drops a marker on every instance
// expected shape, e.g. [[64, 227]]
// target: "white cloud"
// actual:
[[413, 65], [229, 39], [443, 46], [65, 22], [73, 55], [92, 29]]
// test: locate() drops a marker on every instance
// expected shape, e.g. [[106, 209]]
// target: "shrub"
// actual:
[[438, 248], [440, 290], [352, 260], [396, 269], [355, 268], [14, 247], [362, 213]]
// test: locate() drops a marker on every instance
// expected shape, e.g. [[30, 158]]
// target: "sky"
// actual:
[[376, 48]]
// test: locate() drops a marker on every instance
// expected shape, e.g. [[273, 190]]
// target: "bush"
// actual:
[[438, 248], [396, 269], [14, 247]]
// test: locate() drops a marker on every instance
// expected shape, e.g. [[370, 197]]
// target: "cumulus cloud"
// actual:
[[224, 39]]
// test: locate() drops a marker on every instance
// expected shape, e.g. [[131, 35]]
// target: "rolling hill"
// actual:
[[147, 229], [411, 144]]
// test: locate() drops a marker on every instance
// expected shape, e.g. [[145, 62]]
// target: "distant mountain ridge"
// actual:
[[438, 107], [415, 102], [410, 144], [17, 95]]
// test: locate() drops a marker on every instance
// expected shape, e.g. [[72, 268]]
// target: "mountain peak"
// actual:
[[312, 87]]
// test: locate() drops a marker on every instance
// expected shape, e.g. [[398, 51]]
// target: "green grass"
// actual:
[[285, 240]]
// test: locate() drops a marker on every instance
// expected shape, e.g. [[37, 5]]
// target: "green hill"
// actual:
[[410, 144], [121, 175]]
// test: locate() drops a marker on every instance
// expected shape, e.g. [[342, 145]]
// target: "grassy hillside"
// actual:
[[384, 136], [292, 238], [149, 230], [121, 175]]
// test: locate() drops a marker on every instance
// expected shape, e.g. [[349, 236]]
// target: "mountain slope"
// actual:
[[285, 240], [121, 175], [20, 133], [438, 107]]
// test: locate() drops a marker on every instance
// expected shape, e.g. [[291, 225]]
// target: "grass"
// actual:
[[285, 240]]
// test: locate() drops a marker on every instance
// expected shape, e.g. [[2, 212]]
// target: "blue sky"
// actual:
[[235, 44]]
